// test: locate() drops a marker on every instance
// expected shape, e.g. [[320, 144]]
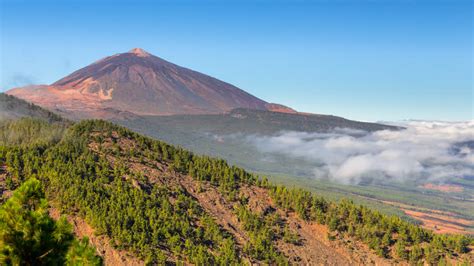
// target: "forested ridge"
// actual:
[[130, 188], [12, 107]]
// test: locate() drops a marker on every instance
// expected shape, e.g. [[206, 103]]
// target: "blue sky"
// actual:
[[362, 59]]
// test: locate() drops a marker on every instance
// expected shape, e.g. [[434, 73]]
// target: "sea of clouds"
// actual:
[[432, 151]]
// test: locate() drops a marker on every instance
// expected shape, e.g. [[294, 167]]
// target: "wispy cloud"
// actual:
[[433, 151], [19, 79]]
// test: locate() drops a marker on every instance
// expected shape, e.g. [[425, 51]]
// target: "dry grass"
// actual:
[[443, 188]]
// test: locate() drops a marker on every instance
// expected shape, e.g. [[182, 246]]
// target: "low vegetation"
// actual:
[[28, 131]]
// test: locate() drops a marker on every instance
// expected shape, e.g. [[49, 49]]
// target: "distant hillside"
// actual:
[[255, 122], [144, 201], [225, 135], [13, 108]]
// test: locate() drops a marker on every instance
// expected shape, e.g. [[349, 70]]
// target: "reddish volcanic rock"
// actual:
[[139, 83], [280, 108]]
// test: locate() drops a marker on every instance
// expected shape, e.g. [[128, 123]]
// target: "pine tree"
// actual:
[[28, 236]]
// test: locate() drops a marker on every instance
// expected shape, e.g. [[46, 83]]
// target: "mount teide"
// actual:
[[138, 83]]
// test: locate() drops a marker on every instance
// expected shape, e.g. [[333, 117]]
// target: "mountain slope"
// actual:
[[249, 121], [14, 108], [163, 203], [140, 83]]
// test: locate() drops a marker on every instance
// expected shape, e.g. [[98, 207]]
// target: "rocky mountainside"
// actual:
[[140, 83], [142, 201]]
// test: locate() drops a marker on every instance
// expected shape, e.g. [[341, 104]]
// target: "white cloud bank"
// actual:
[[433, 151]]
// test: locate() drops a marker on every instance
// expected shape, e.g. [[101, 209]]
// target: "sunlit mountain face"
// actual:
[[138, 83]]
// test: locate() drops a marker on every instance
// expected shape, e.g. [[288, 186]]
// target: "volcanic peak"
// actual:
[[139, 52]]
